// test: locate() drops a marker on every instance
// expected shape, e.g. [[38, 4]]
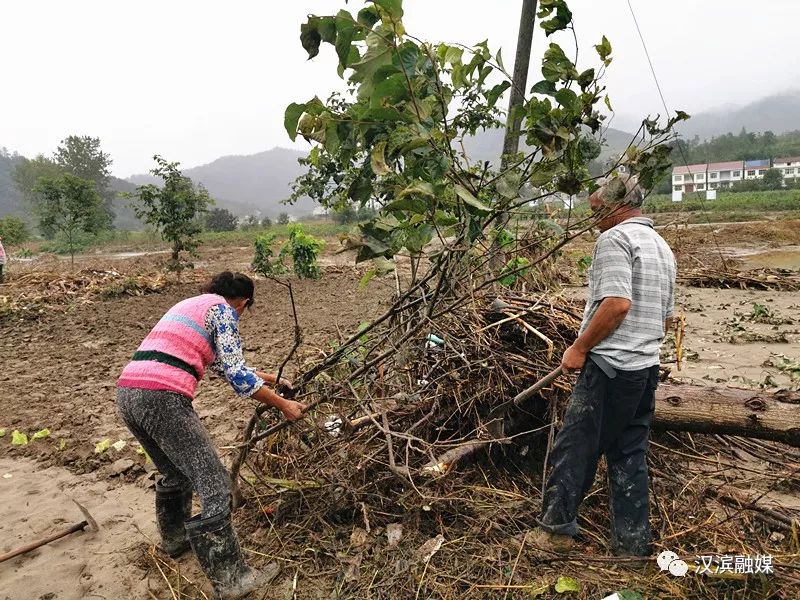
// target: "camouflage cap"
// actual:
[[621, 189]]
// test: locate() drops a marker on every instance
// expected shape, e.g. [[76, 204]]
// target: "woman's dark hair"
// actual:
[[231, 285]]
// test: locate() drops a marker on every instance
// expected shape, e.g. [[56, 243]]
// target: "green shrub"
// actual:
[[304, 250], [13, 231], [264, 259]]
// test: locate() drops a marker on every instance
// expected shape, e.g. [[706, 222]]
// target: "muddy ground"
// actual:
[[58, 372]]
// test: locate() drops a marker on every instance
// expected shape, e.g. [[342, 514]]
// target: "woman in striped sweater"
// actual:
[[154, 398]]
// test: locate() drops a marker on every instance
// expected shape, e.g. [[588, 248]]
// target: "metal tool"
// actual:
[[604, 365], [88, 524], [496, 422]]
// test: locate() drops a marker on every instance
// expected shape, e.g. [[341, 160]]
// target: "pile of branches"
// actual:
[[727, 278], [364, 502], [35, 294]]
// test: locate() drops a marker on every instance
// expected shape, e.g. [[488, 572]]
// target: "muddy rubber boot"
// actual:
[[217, 548], [544, 544], [173, 507]]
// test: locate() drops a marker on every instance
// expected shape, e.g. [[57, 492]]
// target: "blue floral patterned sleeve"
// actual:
[[223, 324]]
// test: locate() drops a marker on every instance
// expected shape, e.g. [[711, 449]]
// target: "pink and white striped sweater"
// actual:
[[175, 354]]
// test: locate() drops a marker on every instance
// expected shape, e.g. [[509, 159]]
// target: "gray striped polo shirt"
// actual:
[[632, 261]]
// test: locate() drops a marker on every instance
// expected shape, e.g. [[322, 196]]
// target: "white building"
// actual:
[[755, 169], [789, 167], [723, 174], [690, 178]]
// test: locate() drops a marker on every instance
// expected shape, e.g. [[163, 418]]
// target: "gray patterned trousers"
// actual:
[[170, 431]]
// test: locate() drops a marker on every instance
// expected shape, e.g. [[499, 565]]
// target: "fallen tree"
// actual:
[[767, 415]]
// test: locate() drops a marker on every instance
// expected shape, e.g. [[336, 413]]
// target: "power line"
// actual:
[[680, 147]]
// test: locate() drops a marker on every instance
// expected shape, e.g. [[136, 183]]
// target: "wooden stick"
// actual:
[[38, 543]]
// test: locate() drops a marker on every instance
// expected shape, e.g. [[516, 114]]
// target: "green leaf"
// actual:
[[378, 160], [368, 16], [417, 238], [62, 444], [494, 94], [538, 110], [569, 100], [560, 20], [443, 219], [454, 55], [629, 595], [566, 584], [508, 185], [332, 141], [418, 187], [544, 87], [143, 452], [2, 432], [368, 276], [586, 78], [345, 32], [292, 115], [18, 438], [327, 29], [102, 446], [393, 8], [408, 55], [555, 65], [412, 204], [604, 50], [377, 55], [360, 189], [467, 197], [607, 100], [42, 433], [310, 36], [370, 242], [499, 60], [390, 90]]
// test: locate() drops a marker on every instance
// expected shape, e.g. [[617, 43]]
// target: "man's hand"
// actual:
[[573, 359], [292, 410], [286, 383]]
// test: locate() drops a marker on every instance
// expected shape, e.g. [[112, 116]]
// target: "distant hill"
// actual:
[[245, 184], [779, 113], [488, 145], [12, 202]]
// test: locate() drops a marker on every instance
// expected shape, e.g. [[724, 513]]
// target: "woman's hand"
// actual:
[[292, 410]]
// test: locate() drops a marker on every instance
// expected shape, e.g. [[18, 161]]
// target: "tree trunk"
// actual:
[[768, 415]]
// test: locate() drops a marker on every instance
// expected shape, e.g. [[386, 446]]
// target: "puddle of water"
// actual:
[[785, 258]]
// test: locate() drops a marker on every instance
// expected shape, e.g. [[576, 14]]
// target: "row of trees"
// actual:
[[72, 197], [742, 146]]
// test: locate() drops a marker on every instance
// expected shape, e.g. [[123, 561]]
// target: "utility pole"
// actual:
[[519, 80]]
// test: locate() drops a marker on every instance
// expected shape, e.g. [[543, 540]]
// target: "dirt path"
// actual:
[[36, 502]]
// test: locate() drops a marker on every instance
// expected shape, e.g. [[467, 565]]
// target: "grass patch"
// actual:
[[736, 203]]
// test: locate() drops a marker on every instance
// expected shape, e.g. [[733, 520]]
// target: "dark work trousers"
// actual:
[[170, 431], [612, 417]]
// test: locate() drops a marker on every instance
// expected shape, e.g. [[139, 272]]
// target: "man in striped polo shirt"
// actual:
[[628, 312]]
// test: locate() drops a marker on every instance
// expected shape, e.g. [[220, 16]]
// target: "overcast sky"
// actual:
[[196, 80]]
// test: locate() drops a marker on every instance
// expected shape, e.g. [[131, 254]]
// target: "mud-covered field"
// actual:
[[58, 373]]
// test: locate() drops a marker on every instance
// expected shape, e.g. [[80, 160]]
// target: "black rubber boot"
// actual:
[[217, 548], [173, 507]]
